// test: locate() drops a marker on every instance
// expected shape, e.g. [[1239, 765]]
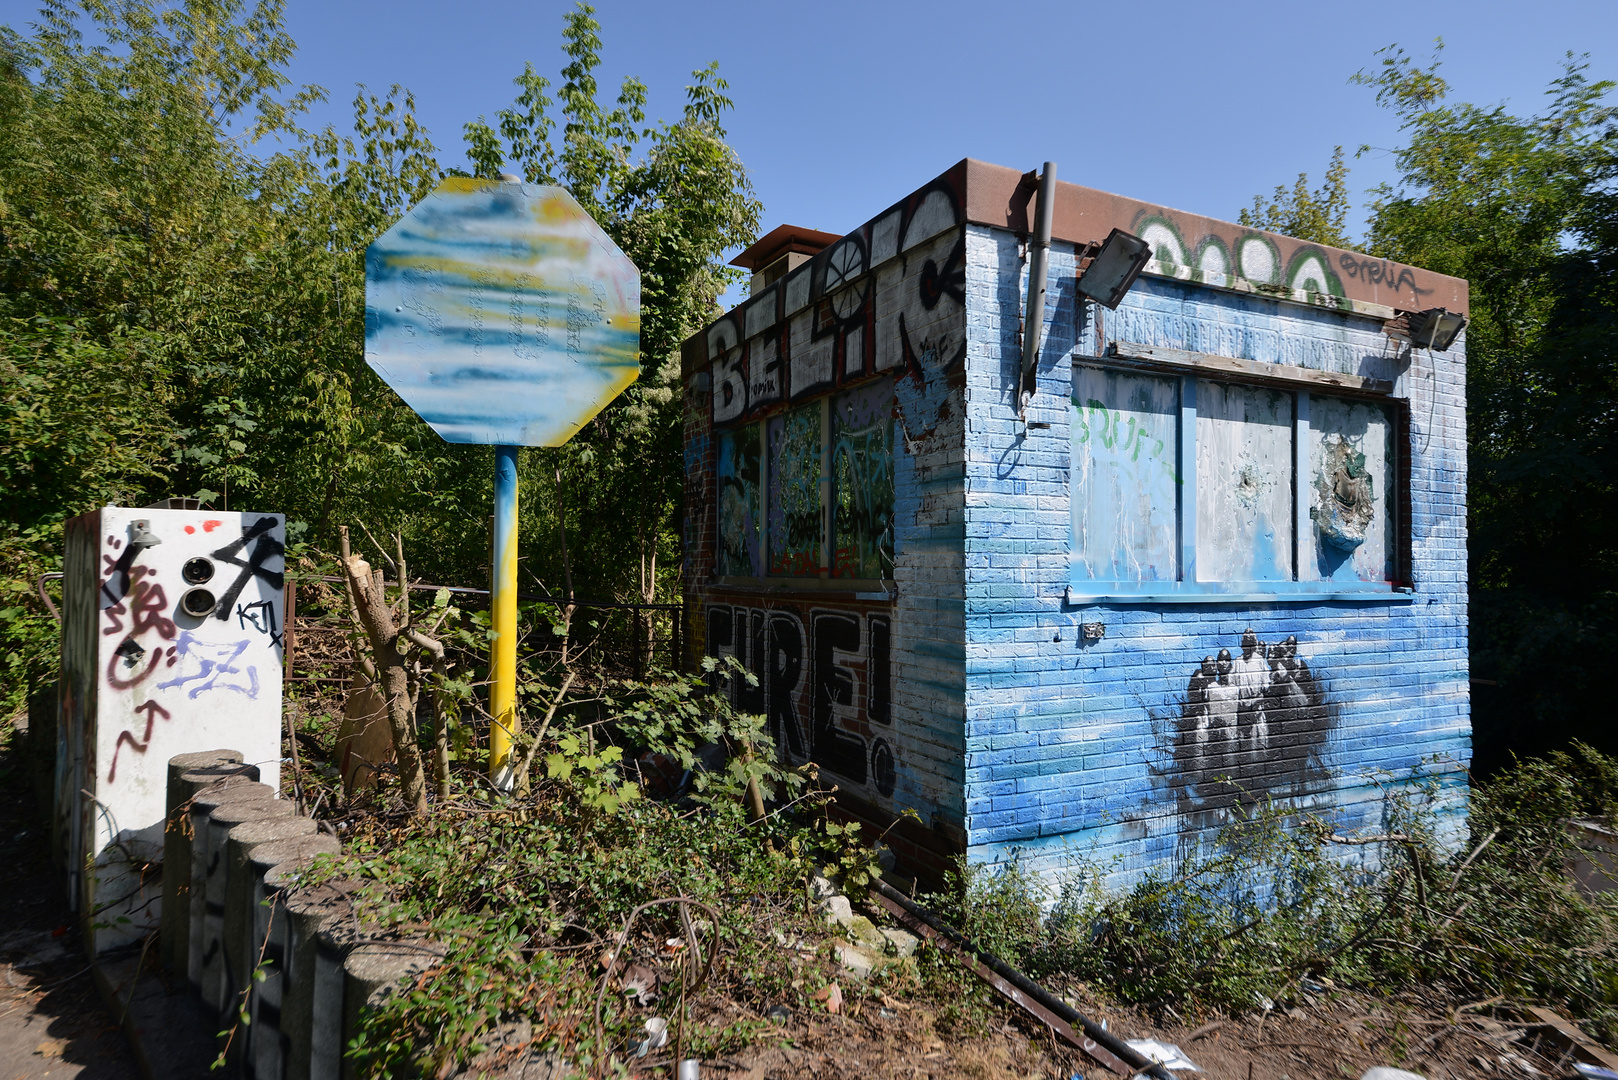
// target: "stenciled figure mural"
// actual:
[[1253, 724]]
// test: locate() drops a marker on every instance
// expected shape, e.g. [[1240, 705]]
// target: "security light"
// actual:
[[1435, 328], [1115, 268]]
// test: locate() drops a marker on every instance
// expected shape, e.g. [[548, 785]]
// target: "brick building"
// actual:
[[1220, 554]]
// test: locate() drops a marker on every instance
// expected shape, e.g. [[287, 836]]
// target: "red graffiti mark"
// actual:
[[190, 529], [210, 526], [114, 543], [147, 603], [141, 676], [114, 619], [151, 708]]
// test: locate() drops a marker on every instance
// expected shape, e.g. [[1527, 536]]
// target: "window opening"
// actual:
[[794, 492], [741, 551], [862, 482], [1184, 485]]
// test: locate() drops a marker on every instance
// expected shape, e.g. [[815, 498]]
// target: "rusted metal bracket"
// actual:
[[1063, 1030]]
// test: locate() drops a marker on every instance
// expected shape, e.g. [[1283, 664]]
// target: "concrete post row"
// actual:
[[233, 904]]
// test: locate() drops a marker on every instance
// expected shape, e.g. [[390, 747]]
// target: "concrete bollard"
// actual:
[[241, 951], [205, 864], [188, 773], [310, 912], [221, 820], [277, 867], [318, 958], [370, 973]]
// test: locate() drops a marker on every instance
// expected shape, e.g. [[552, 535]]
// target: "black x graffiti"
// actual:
[[265, 547], [261, 617]]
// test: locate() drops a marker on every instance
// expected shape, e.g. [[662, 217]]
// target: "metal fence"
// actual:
[[621, 638]]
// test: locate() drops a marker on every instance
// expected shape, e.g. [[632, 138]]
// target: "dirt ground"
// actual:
[[53, 1023], [52, 1020], [1328, 1036]]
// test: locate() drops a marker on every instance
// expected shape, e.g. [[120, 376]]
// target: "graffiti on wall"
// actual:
[[793, 521], [1253, 723], [192, 621], [824, 684], [1125, 485], [740, 549], [1188, 247], [888, 297], [1350, 489], [862, 482]]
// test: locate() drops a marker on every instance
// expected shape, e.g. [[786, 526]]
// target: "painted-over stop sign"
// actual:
[[501, 313]]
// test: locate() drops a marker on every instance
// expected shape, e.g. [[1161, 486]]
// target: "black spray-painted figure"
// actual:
[[1252, 725]]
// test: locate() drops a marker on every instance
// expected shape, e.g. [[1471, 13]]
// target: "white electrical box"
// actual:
[[172, 643]]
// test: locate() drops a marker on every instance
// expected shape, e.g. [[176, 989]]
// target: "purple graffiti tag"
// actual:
[[212, 666]]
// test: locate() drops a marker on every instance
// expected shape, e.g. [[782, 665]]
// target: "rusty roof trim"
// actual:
[[999, 197], [782, 239]]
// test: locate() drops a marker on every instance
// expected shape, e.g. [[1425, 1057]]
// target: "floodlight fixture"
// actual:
[[1114, 269], [1436, 328]]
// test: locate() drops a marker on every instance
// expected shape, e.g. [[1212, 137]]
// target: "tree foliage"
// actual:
[[1317, 215], [182, 295], [1524, 208]]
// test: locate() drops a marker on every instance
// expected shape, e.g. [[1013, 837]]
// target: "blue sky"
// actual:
[[842, 107]]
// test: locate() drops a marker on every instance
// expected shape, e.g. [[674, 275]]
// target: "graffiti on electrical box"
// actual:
[[824, 684], [1252, 724], [166, 597]]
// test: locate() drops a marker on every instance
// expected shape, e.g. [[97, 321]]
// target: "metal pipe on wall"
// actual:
[[1039, 246]]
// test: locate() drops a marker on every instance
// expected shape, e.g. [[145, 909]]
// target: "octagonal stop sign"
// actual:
[[501, 313]]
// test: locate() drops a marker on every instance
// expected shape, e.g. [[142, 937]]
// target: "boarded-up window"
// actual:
[[1244, 483], [794, 492], [1183, 485], [862, 482], [1125, 486], [1349, 490], [741, 551]]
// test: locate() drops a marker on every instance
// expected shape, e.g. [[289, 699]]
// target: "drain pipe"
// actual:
[[1021, 986], [1033, 322]]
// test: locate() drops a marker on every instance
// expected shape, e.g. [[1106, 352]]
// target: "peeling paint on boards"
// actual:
[[1244, 483]]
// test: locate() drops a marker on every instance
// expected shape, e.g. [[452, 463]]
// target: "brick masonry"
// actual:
[[963, 688]]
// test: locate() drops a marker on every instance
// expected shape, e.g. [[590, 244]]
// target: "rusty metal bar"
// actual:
[[422, 587], [1095, 1042]]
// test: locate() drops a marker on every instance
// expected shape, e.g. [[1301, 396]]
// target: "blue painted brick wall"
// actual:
[[1068, 747]]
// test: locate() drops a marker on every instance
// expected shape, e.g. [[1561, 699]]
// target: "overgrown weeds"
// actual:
[[1281, 898]]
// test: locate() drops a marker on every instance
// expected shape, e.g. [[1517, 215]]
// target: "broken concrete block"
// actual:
[[903, 942], [856, 961], [821, 888], [863, 932], [839, 911]]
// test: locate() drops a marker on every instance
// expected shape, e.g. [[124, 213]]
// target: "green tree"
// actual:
[[182, 295], [673, 196], [1317, 215], [1523, 208]]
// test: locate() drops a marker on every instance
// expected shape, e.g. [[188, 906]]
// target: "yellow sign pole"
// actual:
[[503, 609]]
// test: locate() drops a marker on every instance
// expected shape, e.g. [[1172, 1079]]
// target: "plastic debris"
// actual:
[[657, 1034], [1594, 1072], [1165, 1054], [1382, 1072], [689, 1069]]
